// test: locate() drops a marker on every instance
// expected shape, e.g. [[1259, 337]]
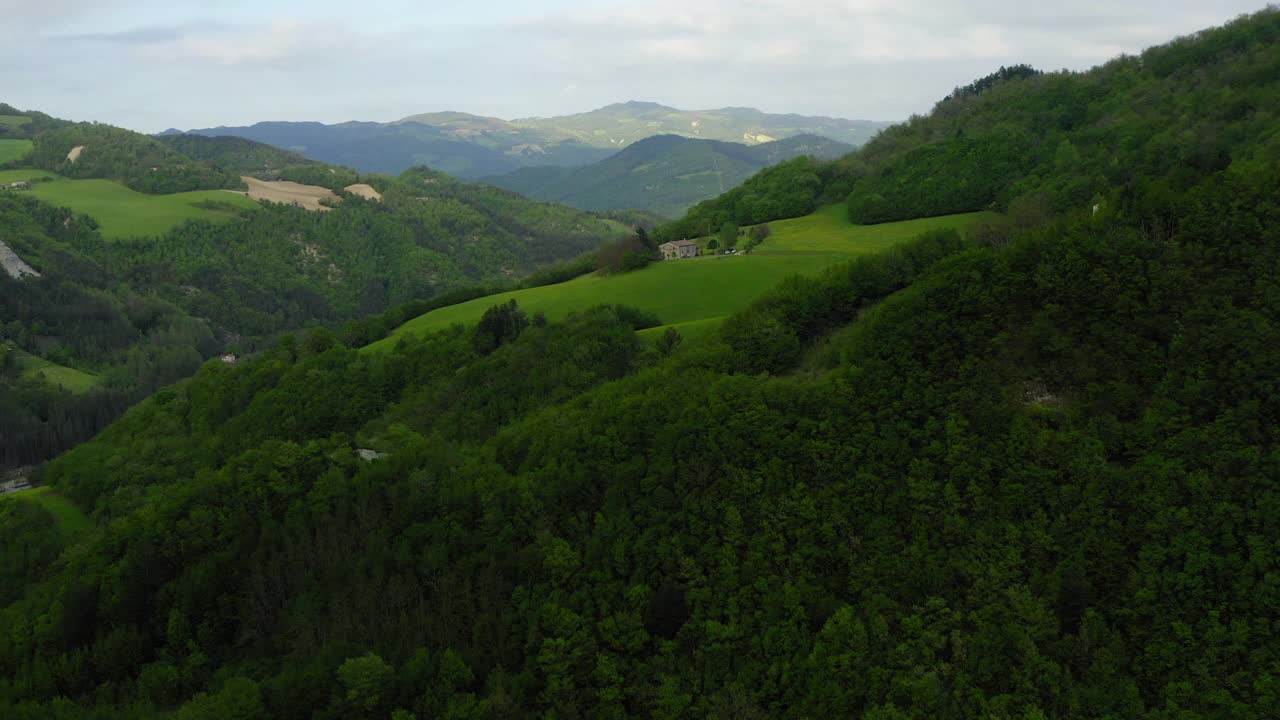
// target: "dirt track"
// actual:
[[307, 197], [74, 155]]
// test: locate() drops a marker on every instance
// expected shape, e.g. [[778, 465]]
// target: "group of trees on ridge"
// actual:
[[1078, 138]]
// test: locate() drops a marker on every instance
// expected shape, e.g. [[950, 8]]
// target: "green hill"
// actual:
[[1029, 472], [664, 174], [1026, 452], [189, 275], [621, 124], [236, 154], [1048, 142], [140, 162], [123, 213], [707, 288], [18, 124]]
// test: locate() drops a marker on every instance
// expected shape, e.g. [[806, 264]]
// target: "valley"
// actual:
[[664, 174]]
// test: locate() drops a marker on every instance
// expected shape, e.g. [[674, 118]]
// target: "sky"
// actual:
[[154, 64]]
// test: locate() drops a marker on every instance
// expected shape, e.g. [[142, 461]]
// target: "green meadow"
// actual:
[[121, 212], [14, 121], [70, 379], [694, 294], [11, 150], [71, 520]]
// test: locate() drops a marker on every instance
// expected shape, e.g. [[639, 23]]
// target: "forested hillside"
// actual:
[[85, 150], [238, 155], [25, 124], [1035, 483], [1035, 143], [1028, 472], [663, 174], [104, 324]]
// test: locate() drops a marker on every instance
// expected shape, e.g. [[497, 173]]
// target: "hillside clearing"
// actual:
[[69, 379], [70, 519], [307, 197], [704, 289], [74, 155], [121, 212], [11, 150], [14, 121]]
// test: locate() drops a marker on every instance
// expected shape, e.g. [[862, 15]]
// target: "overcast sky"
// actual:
[[153, 64]]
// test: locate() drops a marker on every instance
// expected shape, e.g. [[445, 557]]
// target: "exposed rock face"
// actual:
[[13, 264]]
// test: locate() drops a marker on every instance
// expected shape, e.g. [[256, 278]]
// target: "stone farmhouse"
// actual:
[[678, 249]]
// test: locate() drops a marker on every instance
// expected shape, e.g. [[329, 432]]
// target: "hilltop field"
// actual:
[[695, 294], [121, 212]]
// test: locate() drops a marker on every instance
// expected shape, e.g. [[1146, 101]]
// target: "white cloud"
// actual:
[[333, 60], [281, 40]]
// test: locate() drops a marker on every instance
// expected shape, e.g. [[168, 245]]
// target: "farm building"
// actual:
[[20, 185], [678, 249]]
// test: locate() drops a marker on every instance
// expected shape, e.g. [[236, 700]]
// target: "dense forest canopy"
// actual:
[[1026, 473]]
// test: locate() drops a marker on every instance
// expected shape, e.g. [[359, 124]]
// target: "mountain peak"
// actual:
[[636, 105]]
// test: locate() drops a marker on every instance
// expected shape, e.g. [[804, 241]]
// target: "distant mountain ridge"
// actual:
[[665, 174], [474, 146]]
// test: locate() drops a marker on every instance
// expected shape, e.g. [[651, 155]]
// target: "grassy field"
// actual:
[[11, 150], [76, 381], [122, 212], [14, 121], [71, 520], [695, 294]]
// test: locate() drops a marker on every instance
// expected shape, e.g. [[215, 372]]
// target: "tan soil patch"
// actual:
[[365, 191], [307, 197], [74, 155]]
